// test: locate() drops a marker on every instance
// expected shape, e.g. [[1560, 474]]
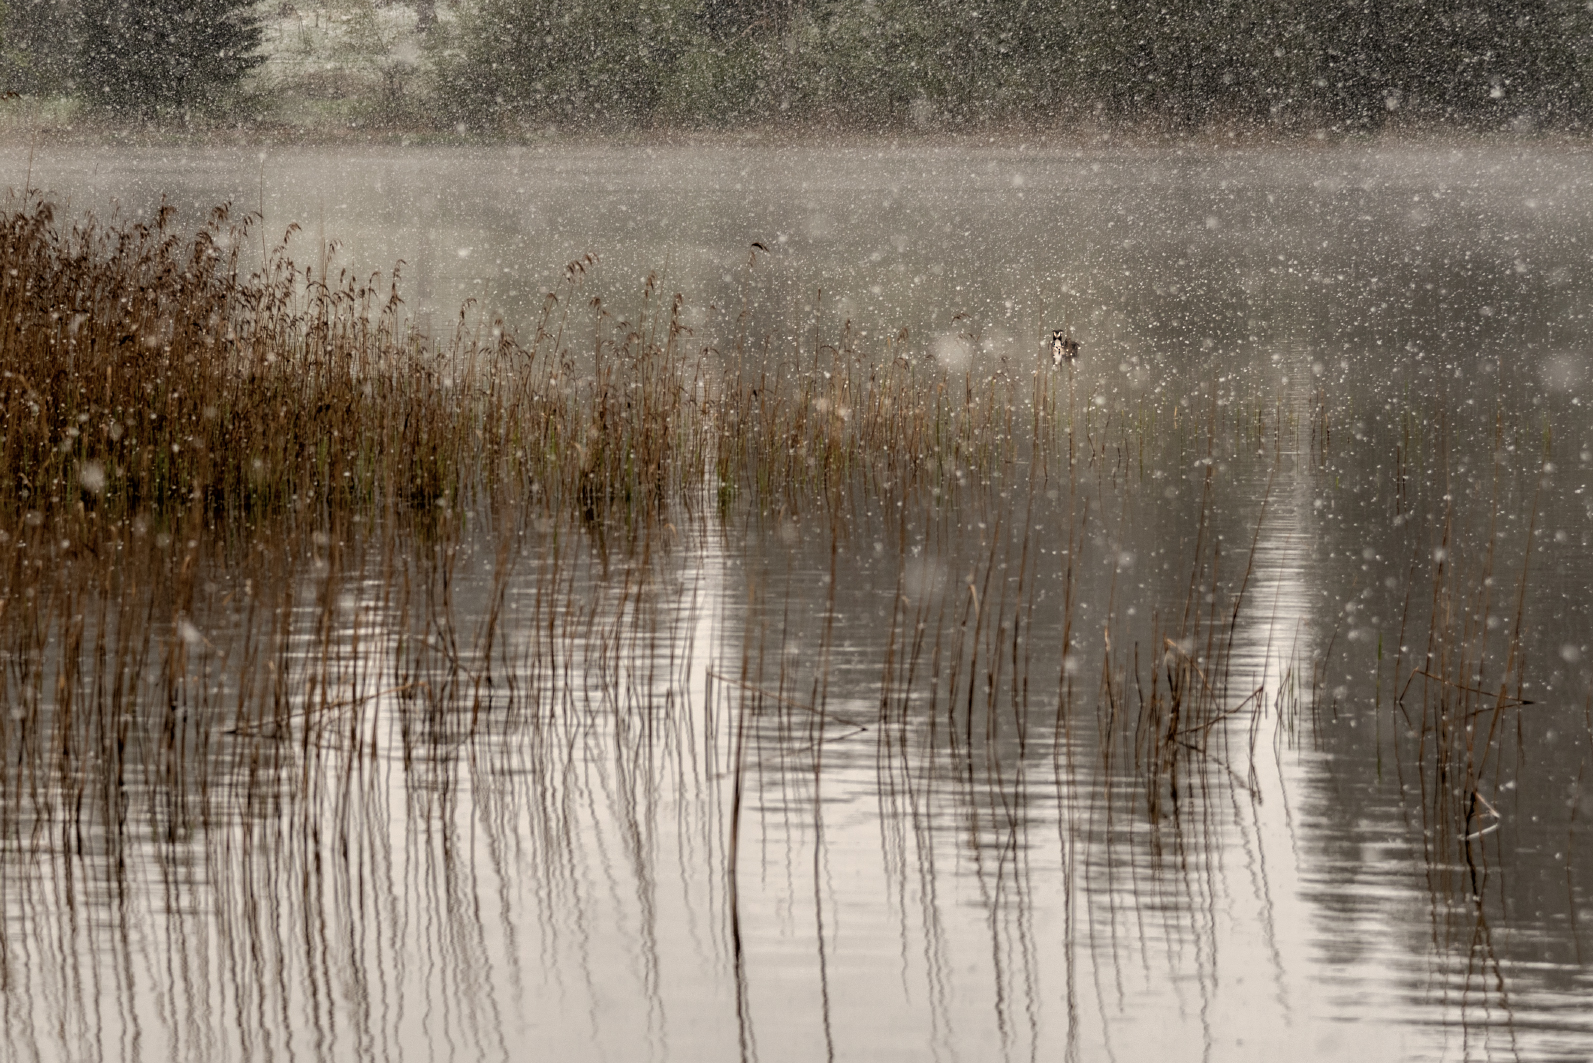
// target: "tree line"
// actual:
[[1345, 64], [130, 56]]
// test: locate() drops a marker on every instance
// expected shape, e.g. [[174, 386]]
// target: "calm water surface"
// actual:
[[731, 805]]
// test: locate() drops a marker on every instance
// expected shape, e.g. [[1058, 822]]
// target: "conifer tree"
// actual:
[[158, 56], [38, 40]]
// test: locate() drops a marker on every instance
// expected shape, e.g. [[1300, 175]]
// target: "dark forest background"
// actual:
[[1292, 64]]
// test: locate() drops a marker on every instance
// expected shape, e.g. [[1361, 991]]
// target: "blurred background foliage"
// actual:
[[945, 63], [507, 65]]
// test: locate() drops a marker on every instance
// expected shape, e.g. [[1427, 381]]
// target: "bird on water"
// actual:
[[1064, 348]]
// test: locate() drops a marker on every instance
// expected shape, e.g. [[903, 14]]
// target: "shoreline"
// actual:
[[26, 123]]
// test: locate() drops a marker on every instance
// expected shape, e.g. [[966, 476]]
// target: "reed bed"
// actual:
[[146, 371], [266, 551], [162, 402]]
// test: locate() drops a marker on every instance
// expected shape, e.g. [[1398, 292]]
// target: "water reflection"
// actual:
[[602, 856]]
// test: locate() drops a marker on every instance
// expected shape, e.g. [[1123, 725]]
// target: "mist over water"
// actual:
[[1358, 250], [891, 775]]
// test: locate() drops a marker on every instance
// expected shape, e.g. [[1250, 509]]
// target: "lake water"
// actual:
[[868, 781]]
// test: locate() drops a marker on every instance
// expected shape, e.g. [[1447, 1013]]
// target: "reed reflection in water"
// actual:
[[495, 783]]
